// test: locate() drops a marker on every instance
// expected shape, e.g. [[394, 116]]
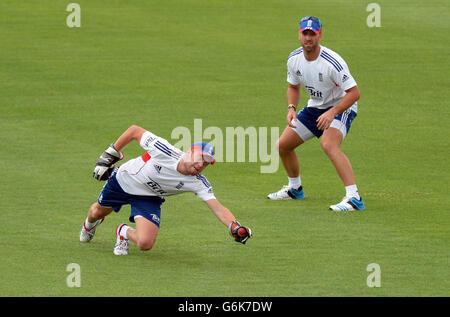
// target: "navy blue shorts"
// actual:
[[308, 116], [112, 195]]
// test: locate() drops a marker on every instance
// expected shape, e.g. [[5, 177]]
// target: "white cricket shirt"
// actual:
[[155, 173], [325, 79]]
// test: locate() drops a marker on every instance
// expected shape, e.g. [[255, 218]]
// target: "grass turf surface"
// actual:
[[68, 93]]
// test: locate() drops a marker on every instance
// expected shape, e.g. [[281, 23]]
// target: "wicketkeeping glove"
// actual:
[[239, 233], [105, 163]]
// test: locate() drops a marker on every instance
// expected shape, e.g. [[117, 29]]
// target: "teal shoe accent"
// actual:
[[358, 204], [296, 193]]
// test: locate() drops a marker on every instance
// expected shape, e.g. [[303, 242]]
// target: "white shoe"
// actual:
[[121, 246], [86, 234], [349, 204], [287, 193]]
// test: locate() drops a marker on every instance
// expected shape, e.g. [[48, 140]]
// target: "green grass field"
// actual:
[[67, 93]]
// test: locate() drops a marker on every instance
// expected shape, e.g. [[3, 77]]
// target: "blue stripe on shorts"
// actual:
[[112, 195]]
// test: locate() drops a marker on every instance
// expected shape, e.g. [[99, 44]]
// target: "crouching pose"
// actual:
[[144, 182]]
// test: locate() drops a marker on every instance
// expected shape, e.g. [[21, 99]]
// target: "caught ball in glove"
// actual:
[[239, 233], [242, 232]]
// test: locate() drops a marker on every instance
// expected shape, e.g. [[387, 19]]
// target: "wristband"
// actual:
[[292, 106]]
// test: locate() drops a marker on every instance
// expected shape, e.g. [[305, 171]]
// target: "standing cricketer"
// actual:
[[331, 108]]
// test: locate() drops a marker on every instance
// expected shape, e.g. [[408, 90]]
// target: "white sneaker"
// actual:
[[86, 234], [287, 193], [349, 204], [121, 246]]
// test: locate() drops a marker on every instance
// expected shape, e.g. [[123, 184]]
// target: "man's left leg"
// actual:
[[144, 236], [330, 142], [146, 214]]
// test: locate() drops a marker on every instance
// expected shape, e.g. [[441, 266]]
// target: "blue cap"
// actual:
[[206, 149], [312, 23]]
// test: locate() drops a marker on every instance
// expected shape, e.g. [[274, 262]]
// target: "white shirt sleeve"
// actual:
[[206, 194], [343, 78], [205, 191], [292, 78], [146, 140]]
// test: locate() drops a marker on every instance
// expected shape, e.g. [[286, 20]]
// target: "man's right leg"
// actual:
[[97, 212], [287, 143], [95, 217]]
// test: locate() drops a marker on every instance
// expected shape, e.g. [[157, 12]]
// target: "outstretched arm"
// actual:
[[221, 212], [239, 233]]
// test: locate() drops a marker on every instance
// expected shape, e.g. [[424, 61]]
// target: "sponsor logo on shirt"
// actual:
[[155, 187], [157, 168], [181, 184], [314, 93], [148, 141]]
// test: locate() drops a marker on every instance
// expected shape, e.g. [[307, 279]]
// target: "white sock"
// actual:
[[89, 225], [123, 231], [295, 182], [352, 191]]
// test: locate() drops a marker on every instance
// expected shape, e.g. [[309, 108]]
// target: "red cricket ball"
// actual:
[[242, 232]]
